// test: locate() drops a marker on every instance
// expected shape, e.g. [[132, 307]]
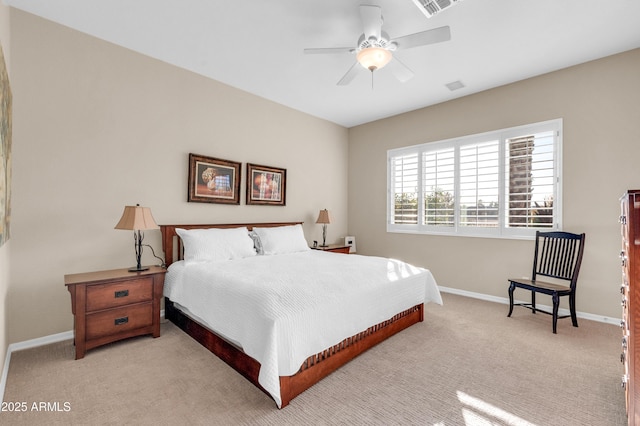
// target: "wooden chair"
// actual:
[[558, 255]]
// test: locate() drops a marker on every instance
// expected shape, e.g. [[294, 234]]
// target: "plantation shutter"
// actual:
[[531, 181], [501, 184], [439, 187], [479, 184], [405, 188]]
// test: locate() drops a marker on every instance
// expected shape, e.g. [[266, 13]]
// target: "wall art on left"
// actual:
[[212, 180], [5, 152]]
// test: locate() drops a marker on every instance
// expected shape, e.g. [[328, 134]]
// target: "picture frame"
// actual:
[[266, 185], [213, 180], [5, 151]]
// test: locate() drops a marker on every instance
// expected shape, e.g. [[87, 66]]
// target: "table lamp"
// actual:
[[323, 218], [137, 219]]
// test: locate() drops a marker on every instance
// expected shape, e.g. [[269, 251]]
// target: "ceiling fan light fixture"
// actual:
[[374, 58]]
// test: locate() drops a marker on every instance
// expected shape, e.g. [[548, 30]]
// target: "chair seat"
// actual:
[[550, 287]]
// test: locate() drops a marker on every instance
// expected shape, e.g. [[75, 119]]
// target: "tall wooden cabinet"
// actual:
[[630, 289]]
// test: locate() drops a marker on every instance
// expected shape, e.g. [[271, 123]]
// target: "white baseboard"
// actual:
[[505, 300], [34, 343]]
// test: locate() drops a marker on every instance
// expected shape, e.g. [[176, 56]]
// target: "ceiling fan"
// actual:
[[375, 49]]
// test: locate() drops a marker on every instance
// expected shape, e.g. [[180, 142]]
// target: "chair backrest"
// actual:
[[558, 255]]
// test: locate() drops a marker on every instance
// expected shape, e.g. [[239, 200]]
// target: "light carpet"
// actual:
[[466, 364]]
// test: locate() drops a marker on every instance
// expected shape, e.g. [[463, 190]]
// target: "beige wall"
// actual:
[[598, 102], [98, 127], [4, 250]]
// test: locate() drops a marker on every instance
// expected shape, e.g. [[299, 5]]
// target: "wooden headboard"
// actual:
[[172, 245]]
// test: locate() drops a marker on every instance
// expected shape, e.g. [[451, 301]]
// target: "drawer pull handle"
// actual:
[[122, 293], [120, 321]]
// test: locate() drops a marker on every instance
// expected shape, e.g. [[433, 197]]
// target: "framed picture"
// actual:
[[266, 185], [212, 180], [5, 151]]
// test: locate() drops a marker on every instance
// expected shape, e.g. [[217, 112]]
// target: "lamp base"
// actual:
[[324, 245], [140, 269]]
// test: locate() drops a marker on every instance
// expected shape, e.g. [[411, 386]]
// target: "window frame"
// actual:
[[501, 231]]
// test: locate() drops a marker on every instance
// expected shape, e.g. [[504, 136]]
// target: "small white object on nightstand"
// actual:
[[351, 242]]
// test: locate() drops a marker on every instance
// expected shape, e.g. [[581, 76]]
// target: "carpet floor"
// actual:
[[466, 364]]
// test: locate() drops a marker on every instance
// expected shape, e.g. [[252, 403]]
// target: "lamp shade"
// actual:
[[137, 218], [374, 58], [323, 217]]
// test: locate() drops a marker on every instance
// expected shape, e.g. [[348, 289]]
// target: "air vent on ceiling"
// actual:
[[432, 7], [455, 85]]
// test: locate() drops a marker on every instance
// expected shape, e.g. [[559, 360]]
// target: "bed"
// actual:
[[282, 315]]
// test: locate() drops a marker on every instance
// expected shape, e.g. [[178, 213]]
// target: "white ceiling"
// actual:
[[257, 46]]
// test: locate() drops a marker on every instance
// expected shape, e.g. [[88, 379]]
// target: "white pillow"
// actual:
[[282, 239], [216, 244]]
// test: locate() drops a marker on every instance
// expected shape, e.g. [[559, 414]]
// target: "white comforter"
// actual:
[[284, 308]]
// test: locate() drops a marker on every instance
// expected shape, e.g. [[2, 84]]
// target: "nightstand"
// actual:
[[114, 305], [334, 248]]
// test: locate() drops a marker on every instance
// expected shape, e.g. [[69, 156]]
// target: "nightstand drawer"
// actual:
[[118, 320], [104, 296]]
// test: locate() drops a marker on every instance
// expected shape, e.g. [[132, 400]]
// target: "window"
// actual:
[[498, 184]]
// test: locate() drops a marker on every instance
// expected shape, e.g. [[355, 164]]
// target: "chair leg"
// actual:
[[556, 303], [572, 308], [533, 301], [512, 287]]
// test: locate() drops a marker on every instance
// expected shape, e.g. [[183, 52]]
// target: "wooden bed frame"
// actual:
[[314, 368]]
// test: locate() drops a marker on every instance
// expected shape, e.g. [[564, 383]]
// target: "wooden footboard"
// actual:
[[314, 368], [318, 366]]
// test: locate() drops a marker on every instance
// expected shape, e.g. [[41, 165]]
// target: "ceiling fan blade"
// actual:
[[436, 35], [324, 50], [399, 70], [350, 75], [371, 21]]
